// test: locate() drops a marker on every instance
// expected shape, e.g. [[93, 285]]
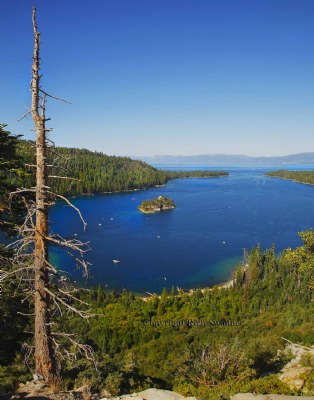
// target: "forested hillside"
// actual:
[[97, 172], [296, 176], [209, 344]]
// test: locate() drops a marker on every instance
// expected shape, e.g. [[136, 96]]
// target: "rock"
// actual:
[[39, 386], [158, 394], [153, 394], [130, 397], [104, 394], [251, 396], [292, 372], [36, 378], [81, 389]]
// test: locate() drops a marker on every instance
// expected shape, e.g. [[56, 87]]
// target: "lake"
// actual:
[[195, 245]]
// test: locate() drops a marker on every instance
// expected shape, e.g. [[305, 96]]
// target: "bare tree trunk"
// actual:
[[45, 364], [35, 268]]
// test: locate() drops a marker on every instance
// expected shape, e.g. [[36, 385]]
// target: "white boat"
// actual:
[[115, 261]]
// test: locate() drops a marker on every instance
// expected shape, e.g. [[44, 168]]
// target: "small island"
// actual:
[[156, 205]]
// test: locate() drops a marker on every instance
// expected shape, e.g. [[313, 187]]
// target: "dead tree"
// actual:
[[51, 291], [45, 364]]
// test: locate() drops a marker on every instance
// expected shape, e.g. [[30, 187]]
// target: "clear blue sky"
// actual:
[[153, 77]]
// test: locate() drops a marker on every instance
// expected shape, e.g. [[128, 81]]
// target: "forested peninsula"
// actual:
[[306, 177], [95, 172]]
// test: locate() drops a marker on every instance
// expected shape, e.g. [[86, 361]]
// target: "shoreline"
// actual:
[[288, 179], [190, 292], [154, 186], [116, 192]]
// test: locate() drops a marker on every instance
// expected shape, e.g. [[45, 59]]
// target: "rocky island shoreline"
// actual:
[[158, 204]]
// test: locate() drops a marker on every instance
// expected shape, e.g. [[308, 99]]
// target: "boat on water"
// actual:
[[115, 261]]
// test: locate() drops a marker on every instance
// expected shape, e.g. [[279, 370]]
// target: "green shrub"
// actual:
[[266, 385], [113, 383], [12, 375], [308, 388], [307, 360]]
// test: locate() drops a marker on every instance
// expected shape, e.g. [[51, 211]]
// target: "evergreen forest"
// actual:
[[306, 177], [173, 341], [95, 172]]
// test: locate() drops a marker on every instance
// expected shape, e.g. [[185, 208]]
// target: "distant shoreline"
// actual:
[[190, 292], [147, 187], [288, 179], [223, 159]]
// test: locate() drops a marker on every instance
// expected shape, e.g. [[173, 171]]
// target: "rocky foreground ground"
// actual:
[[39, 393], [158, 394]]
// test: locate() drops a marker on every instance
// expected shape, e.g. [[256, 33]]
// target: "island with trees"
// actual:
[[158, 204], [306, 177]]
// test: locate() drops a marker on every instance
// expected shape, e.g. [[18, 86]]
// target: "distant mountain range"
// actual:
[[226, 159]]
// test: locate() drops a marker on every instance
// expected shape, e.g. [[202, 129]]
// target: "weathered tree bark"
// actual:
[[35, 268], [45, 364]]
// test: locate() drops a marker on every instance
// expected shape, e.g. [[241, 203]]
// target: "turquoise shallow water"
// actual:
[[197, 244]]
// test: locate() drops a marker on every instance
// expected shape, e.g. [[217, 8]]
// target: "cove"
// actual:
[[197, 244]]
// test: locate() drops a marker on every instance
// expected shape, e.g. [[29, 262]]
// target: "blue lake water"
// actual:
[[197, 244]]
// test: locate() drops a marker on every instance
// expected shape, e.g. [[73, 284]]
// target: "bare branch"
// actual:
[[55, 97], [58, 306], [53, 151], [84, 265], [25, 298], [5, 274], [25, 314], [24, 116], [56, 166], [79, 348], [28, 353], [72, 297], [52, 268], [73, 244], [71, 205], [52, 143], [64, 177], [295, 344], [19, 191], [82, 314]]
